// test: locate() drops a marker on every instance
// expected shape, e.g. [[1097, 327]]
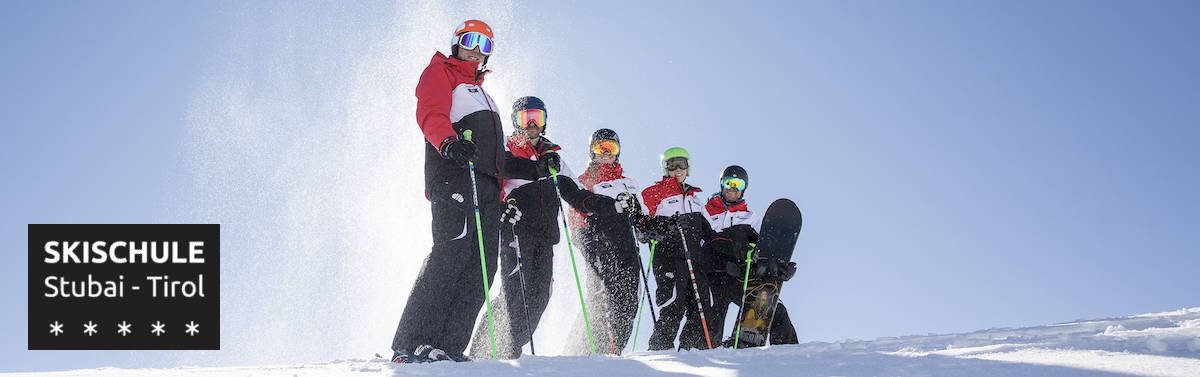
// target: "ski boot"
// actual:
[[425, 354]]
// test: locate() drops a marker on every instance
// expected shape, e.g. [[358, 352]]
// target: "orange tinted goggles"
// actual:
[[606, 146]]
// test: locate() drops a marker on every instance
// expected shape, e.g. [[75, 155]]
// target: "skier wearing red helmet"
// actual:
[[461, 125]]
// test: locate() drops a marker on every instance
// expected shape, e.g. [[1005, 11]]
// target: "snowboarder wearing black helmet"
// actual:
[[609, 247], [461, 125], [730, 218]]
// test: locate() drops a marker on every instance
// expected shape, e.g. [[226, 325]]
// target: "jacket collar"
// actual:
[[717, 202], [467, 70], [676, 186]]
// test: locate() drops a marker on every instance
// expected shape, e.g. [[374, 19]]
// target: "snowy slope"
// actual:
[[1163, 344]]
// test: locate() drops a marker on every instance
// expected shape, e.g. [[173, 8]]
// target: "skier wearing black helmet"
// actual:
[[610, 249], [527, 247]]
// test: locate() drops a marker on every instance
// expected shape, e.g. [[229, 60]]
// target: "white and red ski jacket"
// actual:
[[669, 197], [448, 91], [451, 101], [607, 180], [722, 215], [521, 147]]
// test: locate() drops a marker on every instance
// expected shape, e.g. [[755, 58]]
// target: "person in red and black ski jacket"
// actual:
[[607, 243], [730, 217], [530, 188], [436, 322], [675, 217]]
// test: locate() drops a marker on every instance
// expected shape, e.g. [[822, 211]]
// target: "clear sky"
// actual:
[[960, 165]]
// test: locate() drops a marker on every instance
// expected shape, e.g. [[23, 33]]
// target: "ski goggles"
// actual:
[[471, 39], [676, 163], [733, 183], [535, 116], [606, 146]]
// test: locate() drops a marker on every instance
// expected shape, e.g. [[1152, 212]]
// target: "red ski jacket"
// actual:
[[450, 101]]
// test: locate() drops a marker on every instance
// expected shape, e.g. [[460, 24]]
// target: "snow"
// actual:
[[1161, 344]]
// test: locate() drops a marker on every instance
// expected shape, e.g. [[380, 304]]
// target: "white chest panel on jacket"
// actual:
[[468, 99], [680, 204], [726, 219]]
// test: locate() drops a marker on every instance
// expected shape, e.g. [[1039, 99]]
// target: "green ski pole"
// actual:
[[566, 230], [648, 299], [741, 309], [482, 258]]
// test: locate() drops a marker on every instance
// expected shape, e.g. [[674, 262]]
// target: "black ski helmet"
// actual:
[[526, 103], [736, 172], [603, 134]]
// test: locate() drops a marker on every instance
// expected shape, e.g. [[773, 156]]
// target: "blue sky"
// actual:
[[960, 165]]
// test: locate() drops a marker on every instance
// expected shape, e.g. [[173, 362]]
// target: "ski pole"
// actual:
[[691, 271], [482, 258], [646, 284], [521, 275], [745, 283], [571, 251]]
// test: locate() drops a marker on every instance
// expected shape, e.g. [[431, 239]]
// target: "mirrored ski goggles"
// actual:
[[535, 116], [733, 183], [471, 39], [606, 146], [676, 163]]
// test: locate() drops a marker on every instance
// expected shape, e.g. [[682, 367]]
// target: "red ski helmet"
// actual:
[[471, 26]]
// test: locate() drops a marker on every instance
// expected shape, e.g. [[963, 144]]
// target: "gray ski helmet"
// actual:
[[736, 172], [604, 134], [526, 103]]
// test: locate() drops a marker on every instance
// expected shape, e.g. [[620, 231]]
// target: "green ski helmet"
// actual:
[[674, 152]]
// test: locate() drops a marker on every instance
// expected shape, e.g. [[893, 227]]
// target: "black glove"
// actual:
[[751, 235], [734, 270], [627, 203], [511, 214], [774, 269], [649, 235], [675, 223], [638, 217], [784, 271], [459, 151], [549, 161]]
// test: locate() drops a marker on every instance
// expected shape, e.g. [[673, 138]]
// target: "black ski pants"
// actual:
[[676, 300], [448, 292], [611, 293], [537, 263]]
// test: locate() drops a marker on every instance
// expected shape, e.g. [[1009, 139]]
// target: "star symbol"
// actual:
[[158, 328], [123, 328], [56, 328], [192, 328], [89, 328]]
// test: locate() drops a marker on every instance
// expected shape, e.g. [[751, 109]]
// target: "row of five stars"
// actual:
[[123, 328]]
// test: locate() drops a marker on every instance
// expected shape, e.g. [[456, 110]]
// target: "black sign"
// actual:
[[124, 287]]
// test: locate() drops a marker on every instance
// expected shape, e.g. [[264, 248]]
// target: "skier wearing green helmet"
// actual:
[[675, 224]]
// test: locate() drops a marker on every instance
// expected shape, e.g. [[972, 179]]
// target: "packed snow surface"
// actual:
[[1162, 344]]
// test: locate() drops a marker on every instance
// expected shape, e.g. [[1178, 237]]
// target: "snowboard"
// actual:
[[776, 239]]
